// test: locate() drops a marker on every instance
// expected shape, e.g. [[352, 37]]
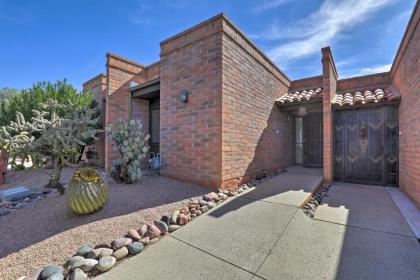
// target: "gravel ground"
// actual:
[[48, 232]]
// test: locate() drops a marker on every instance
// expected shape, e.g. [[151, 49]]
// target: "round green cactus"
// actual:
[[87, 192]]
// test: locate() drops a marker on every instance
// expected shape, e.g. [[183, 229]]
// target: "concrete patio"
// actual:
[[357, 233]]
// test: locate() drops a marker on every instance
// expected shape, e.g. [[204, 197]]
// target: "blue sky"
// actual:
[[50, 40]]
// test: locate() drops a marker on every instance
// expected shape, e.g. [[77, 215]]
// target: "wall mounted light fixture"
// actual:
[[183, 95]]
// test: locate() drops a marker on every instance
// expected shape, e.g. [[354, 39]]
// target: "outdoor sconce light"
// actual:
[[183, 96]]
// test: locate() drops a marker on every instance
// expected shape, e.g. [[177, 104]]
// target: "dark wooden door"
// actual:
[[312, 139], [366, 146]]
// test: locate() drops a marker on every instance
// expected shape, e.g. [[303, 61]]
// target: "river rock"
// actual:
[[163, 227], [84, 250], [152, 231], [135, 248], [143, 229], [73, 260], [183, 219], [133, 234], [78, 274], [166, 219], [173, 228], [56, 276], [154, 240], [204, 209], [184, 210], [120, 253], [120, 242], [87, 264], [106, 263], [202, 202], [50, 270], [145, 240], [99, 253], [211, 204], [174, 216]]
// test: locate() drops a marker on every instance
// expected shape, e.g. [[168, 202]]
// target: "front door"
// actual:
[[312, 139], [366, 146]]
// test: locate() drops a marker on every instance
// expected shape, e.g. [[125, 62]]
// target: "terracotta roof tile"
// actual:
[[377, 95], [299, 96]]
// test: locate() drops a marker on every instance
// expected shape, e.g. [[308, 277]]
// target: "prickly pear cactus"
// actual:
[[87, 192], [132, 144]]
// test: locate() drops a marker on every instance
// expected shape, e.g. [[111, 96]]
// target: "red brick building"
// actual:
[[220, 112]]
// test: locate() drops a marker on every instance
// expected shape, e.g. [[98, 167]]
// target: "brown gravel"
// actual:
[[47, 232]]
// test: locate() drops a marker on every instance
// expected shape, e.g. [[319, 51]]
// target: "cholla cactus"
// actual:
[[132, 143], [60, 136], [15, 139], [56, 136]]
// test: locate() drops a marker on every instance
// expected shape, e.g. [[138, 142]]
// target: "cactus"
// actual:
[[132, 144], [57, 137], [86, 191]]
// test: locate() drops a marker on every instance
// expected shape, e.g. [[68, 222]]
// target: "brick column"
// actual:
[[329, 85]]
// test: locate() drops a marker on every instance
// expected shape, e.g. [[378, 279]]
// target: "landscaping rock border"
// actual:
[[311, 204], [90, 261]]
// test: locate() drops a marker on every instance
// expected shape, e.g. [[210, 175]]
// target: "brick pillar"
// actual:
[[119, 72], [329, 85]]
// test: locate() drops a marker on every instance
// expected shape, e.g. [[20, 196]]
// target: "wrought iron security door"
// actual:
[[366, 146], [312, 139]]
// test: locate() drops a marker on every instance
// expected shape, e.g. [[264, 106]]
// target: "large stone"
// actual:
[[78, 274], [145, 240], [135, 248], [120, 242], [50, 270], [74, 260], [183, 219], [211, 204], [56, 276], [210, 196], [173, 228], [184, 210], [106, 263], [202, 202], [84, 250], [163, 227], [143, 230], [133, 234], [152, 231], [103, 245], [99, 253], [174, 217], [204, 209], [166, 219], [87, 264], [36, 275], [121, 253]]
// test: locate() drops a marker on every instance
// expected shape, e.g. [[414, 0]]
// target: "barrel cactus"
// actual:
[[132, 144], [87, 192]]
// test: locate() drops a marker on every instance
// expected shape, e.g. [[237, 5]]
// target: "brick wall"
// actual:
[[257, 136], [374, 80], [190, 133], [405, 76], [329, 86], [97, 86]]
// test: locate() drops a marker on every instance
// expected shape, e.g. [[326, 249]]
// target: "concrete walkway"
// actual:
[[264, 235]]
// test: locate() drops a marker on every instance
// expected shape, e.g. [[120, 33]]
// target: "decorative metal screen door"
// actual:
[[312, 139], [366, 146]]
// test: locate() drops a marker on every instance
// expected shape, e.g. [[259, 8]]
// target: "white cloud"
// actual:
[[367, 70], [320, 28], [268, 5]]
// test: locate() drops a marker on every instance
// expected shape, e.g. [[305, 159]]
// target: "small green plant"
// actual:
[[132, 144]]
